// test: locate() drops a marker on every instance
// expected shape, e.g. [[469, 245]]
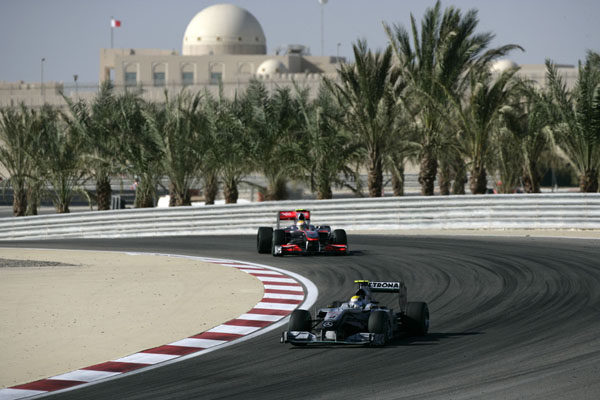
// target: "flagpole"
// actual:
[[111, 32]]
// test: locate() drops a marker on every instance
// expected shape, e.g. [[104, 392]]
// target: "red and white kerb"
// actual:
[[282, 294]]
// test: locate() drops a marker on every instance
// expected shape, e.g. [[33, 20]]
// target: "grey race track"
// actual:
[[511, 318]]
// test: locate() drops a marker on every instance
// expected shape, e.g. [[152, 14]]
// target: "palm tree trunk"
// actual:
[[478, 183], [427, 173], [103, 193], [178, 198], [530, 178], [460, 178], [185, 198], [230, 192], [171, 194], [33, 198], [19, 200], [277, 189], [588, 181], [375, 175], [144, 194], [444, 180], [62, 195], [529, 186], [398, 180], [323, 183], [324, 192], [62, 207], [211, 188]]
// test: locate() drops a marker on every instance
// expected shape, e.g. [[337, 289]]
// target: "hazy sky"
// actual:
[[70, 33]]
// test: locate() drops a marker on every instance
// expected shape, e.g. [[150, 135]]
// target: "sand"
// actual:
[[104, 305]]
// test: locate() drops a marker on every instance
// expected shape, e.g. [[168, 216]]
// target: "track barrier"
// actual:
[[572, 211]]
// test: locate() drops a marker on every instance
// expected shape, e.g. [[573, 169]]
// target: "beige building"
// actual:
[[223, 46]]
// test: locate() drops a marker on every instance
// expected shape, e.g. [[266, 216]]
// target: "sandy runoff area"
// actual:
[[63, 310]]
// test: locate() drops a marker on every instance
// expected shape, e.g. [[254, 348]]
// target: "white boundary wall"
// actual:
[[540, 211]]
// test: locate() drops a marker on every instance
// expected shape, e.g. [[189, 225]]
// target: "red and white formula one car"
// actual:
[[301, 237]]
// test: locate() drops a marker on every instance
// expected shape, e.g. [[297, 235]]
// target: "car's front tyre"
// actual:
[[379, 323], [278, 240], [300, 320], [263, 239]]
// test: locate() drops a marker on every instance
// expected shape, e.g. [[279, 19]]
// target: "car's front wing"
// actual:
[[302, 338], [295, 249]]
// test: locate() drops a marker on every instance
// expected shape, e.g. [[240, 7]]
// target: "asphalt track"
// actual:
[[510, 318]]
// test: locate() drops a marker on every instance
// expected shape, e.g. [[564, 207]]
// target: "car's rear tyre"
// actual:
[[278, 240], [263, 239], [417, 318], [300, 320], [339, 237]]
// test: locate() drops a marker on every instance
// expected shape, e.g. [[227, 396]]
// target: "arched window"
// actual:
[[187, 75], [216, 73], [159, 74], [131, 75], [245, 68]]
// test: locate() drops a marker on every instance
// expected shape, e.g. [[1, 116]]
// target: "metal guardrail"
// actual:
[[541, 211]]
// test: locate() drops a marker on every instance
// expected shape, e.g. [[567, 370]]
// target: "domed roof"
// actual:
[[503, 65], [224, 29], [271, 67]]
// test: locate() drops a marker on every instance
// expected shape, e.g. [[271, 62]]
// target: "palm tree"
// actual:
[[273, 122], [400, 149], [98, 127], [577, 132], [211, 164], [508, 160], [178, 125], [528, 126], [210, 177], [215, 150], [212, 148], [367, 91], [60, 156], [459, 174], [231, 143], [435, 70], [141, 146], [479, 116], [17, 127], [328, 149]]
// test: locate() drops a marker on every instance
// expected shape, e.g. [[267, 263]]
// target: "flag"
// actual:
[[115, 23]]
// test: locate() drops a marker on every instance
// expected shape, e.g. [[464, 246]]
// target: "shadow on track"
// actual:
[[434, 338], [431, 339]]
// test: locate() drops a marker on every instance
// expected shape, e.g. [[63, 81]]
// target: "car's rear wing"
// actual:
[[387, 287], [293, 215], [393, 287]]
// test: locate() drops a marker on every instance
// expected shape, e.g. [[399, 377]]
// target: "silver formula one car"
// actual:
[[301, 237], [362, 320]]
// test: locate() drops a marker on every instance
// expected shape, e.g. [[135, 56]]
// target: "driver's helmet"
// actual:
[[357, 302], [301, 223]]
